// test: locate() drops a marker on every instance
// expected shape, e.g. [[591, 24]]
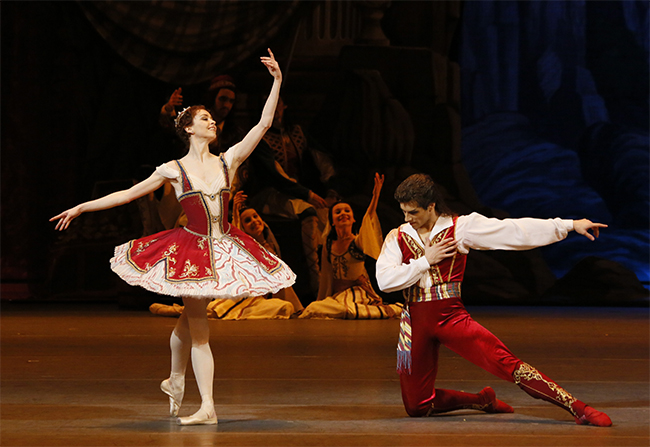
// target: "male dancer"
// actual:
[[425, 257]]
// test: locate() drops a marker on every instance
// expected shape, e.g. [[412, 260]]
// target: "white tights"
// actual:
[[190, 339]]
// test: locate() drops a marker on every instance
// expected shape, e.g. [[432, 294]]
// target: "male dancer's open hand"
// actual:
[[438, 251]]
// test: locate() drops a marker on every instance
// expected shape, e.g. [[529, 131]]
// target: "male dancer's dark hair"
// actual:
[[421, 188]]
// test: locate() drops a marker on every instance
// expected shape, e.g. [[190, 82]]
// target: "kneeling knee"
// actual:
[[416, 411]]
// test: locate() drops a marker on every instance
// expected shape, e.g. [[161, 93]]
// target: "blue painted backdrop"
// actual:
[[555, 119]]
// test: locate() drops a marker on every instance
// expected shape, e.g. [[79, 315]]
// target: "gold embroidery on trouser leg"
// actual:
[[526, 372]]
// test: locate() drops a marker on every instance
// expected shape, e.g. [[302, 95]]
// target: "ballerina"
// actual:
[[206, 259]]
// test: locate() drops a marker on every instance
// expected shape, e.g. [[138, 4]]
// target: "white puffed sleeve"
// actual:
[[167, 172], [478, 232]]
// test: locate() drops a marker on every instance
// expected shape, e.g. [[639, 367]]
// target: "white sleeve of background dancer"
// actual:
[[478, 232], [392, 273]]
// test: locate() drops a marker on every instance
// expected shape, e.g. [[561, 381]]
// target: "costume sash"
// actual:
[[437, 292], [404, 342]]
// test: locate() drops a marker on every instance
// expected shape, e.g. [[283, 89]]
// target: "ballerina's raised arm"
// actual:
[[253, 137]]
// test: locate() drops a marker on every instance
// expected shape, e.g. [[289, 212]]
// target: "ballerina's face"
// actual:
[[342, 215], [252, 222], [203, 126]]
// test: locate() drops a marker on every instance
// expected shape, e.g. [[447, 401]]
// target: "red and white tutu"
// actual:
[[209, 258]]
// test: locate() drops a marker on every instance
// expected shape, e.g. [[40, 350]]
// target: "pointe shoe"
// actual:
[[594, 417], [201, 417], [175, 396], [493, 405]]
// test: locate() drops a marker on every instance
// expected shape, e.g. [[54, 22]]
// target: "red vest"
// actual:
[[450, 270]]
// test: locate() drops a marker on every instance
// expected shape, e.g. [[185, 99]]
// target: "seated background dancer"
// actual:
[[425, 257], [345, 290], [287, 177], [281, 305]]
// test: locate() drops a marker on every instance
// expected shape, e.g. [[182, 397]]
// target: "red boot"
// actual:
[[541, 387], [588, 415], [450, 400]]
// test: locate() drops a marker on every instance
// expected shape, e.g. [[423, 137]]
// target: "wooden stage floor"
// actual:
[[88, 374]]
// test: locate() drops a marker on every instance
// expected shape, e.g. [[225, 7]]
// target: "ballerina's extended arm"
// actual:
[[112, 200]]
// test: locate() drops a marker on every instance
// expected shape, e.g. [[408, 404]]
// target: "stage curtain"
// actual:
[[187, 42]]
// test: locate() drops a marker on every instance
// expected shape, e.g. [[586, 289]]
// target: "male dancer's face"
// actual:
[[422, 220]]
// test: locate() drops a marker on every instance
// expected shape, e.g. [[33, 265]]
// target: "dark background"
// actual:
[[516, 108]]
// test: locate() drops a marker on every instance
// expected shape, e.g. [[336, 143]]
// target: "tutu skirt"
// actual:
[[182, 263]]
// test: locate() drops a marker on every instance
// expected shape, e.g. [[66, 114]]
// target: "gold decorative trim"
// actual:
[[527, 373]]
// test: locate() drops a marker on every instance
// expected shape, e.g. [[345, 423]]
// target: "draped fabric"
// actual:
[[187, 42]]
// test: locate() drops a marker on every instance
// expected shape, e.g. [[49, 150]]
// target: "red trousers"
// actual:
[[447, 322]]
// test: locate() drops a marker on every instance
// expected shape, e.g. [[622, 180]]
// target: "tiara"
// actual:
[[178, 117]]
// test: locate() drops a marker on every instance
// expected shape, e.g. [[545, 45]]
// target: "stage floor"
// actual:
[[88, 374]]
